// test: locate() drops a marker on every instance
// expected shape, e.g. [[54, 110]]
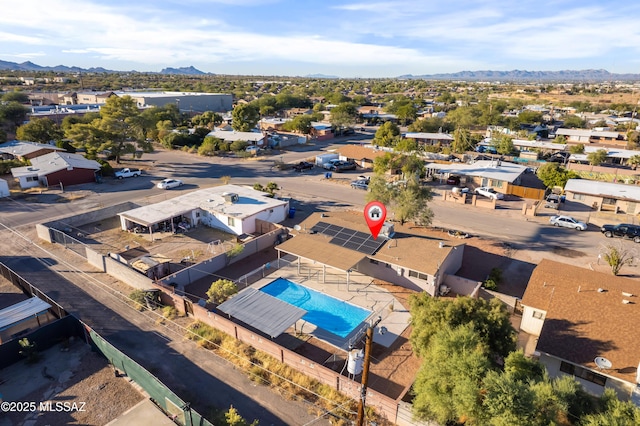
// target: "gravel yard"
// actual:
[[75, 376]]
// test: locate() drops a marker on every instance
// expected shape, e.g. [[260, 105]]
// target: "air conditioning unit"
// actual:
[[230, 197]]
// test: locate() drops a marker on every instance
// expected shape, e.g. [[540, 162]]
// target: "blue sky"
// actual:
[[343, 38]]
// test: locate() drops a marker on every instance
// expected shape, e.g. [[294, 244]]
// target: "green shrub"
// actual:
[[169, 312], [490, 284], [137, 296]]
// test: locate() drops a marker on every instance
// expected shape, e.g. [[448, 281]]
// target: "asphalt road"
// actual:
[[309, 186]]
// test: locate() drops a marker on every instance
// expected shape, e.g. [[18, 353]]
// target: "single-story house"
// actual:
[[495, 173], [272, 123], [231, 208], [616, 156], [253, 138], [23, 150], [443, 139], [57, 168], [587, 136], [21, 318], [185, 101], [584, 322], [617, 197], [540, 146], [322, 131], [363, 156], [342, 243], [294, 112], [84, 98]]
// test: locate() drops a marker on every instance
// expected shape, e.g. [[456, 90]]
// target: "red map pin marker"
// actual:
[[375, 213]]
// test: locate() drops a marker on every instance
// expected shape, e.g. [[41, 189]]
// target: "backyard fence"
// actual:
[[68, 327]]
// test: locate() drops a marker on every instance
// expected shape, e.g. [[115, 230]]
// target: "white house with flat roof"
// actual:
[[185, 101], [254, 138], [231, 208], [444, 139], [617, 197], [495, 173], [614, 155]]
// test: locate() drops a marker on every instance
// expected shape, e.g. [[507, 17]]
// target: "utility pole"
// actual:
[[365, 370]]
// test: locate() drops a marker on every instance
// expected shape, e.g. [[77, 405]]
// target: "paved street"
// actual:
[[309, 186]]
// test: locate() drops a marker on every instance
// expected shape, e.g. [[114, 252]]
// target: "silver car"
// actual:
[[169, 183], [567, 222]]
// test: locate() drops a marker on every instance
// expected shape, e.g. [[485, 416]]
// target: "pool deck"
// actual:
[[361, 292]]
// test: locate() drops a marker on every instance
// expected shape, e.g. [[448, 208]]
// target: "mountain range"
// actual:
[[586, 76], [30, 66]]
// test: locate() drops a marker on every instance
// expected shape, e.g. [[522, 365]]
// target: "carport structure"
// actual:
[[262, 311], [166, 216]]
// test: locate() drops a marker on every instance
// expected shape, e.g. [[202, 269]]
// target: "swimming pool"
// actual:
[[330, 314]]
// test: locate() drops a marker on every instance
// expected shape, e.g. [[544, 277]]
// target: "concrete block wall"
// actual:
[[43, 233], [385, 406], [125, 274]]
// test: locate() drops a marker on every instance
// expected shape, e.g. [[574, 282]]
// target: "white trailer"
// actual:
[[325, 158]]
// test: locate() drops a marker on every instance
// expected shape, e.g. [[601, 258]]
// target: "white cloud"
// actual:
[[429, 36]]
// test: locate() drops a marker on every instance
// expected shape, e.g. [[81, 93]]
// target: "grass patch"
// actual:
[[266, 370]]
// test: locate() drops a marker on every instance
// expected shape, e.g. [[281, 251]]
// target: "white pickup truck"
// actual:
[[125, 173]]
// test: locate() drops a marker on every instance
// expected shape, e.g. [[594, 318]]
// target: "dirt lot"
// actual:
[[68, 374]]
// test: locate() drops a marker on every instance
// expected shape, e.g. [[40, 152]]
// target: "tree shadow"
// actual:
[[566, 339]]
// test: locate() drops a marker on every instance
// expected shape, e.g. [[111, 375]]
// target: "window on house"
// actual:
[[579, 197], [609, 201], [32, 178], [538, 314], [418, 275], [583, 373], [231, 221], [497, 183]]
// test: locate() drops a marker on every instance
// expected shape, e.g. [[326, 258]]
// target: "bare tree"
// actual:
[[617, 257]]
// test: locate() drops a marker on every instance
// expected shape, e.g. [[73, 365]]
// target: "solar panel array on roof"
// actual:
[[349, 238]]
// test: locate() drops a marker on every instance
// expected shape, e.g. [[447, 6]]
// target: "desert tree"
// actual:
[[617, 257]]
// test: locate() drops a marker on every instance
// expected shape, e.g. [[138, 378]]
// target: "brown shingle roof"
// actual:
[[416, 252], [581, 325], [356, 152]]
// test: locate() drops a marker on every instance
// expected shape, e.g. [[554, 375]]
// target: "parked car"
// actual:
[[329, 164], [489, 192], [567, 222], [344, 166], [453, 180], [169, 183], [303, 165], [360, 184], [552, 201], [488, 149], [460, 190], [125, 173], [623, 230], [254, 149]]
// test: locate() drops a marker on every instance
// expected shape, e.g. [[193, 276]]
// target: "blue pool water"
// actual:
[[326, 312]]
